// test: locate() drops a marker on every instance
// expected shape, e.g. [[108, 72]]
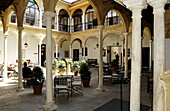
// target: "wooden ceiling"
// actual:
[[5, 4]]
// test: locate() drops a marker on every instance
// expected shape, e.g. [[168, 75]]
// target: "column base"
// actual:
[[5, 79], [20, 89], [50, 107], [101, 89]]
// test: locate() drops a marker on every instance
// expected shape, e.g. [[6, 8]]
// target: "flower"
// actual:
[[61, 65], [54, 64], [75, 66]]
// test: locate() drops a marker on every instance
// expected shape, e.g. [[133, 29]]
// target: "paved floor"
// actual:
[[10, 100]]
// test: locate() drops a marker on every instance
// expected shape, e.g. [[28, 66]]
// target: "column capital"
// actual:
[[136, 4], [20, 28], [49, 15], [100, 27], [157, 3], [125, 34], [150, 41], [56, 45], [5, 35]]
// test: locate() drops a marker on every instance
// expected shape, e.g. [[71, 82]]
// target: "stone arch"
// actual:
[[61, 41], [149, 32], [90, 37], [77, 39], [109, 33], [75, 11], [58, 10]]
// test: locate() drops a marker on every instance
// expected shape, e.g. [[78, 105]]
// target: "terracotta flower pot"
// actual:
[[37, 89], [86, 83], [75, 73]]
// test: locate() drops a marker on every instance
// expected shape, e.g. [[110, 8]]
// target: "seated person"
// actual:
[[26, 72]]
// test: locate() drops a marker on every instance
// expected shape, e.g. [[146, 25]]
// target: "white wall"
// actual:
[[92, 50], [167, 47], [65, 47], [1, 46], [31, 50]]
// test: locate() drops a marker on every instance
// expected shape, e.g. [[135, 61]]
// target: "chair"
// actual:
[[77, 84], [61, 85], [107, 73]]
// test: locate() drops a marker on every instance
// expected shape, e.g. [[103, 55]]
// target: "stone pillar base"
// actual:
[[20, 89], [50, 107], [101, 89]]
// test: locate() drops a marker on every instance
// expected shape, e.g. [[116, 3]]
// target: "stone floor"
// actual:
[[10, 100]]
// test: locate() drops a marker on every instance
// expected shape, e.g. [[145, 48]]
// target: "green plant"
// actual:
[[84, 71], [54, 64], [37, 77], [61, 65], [75, 66], [114, 63]]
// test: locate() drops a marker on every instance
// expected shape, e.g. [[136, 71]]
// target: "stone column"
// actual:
[[100, 86], [20, 85], [40, 19], [83, 21], [150, 55], [166, 78], [56, 50], [70, 52], [70, 25], [159, 53], [136, 9], [126, 55], [84, 52], [49, 80], [123, 53], [5, 75], [39, 53], [57, 22]]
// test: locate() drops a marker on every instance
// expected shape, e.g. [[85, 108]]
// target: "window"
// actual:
[[13, 18], [31, 16], [90, 18], [77, 20], [112, 18], [63, 21]]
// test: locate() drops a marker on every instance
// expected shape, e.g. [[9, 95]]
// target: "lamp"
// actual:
[[97, 45], [26, 45]]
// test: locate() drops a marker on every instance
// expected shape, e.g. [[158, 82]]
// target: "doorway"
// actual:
[[75, 54]]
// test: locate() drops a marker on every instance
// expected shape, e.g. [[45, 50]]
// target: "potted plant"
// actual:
[[54, 66], [113, 64], [75, 67], [37, 80], [61, 66], [85, 73]]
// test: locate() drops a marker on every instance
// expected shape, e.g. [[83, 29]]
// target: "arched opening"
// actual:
[[63, 18], [112, 18], [31, 16], [90, 18], [77, 20]]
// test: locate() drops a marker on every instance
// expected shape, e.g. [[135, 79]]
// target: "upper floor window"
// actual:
[[31, 16], [77, 20], [90, 19], [13, 18], [63, 20], [112, 18]]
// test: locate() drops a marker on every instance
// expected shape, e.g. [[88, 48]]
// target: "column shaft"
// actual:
[[57, 22], [100, 86], [39, 54], [122, 54], [136, 60], [5, 75], [20, 85], [70, 52], [150, 55], [126, 55], [40, 18], [84, 48], [159, 56], [56, 51]]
